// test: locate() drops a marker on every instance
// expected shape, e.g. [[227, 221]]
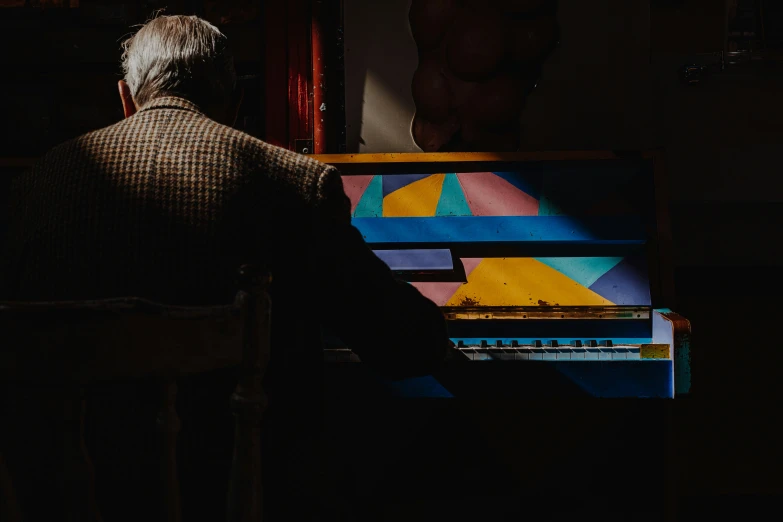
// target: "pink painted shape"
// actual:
[[490, 195], [355, 187], [440, 293], [470, 263]]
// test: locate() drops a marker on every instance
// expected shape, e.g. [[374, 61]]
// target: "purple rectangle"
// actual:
[[417, 259]]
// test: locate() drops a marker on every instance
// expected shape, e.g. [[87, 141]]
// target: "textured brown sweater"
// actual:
[[166, 205]]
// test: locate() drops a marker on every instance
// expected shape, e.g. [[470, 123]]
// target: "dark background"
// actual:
[[723, 140]]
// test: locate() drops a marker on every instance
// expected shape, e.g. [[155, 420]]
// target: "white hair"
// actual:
[[178, 55]]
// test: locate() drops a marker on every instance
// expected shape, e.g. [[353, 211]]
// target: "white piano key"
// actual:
[[578, 354], [620, 354], [508, 355]]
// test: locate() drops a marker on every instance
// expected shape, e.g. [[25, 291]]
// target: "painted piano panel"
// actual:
[[557, 260], [611, 189]]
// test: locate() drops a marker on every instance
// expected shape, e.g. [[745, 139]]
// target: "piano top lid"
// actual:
[[405, 162]]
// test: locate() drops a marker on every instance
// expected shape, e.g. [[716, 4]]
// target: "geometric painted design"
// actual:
[[437, 292], [416, 199], [440, 292], [355, 187], [470, 264], [627, 283], [371, 202], [452, 199], [536, 190], [583, 270], [522, 281], [548, 207], [491, 195], [396, 182]]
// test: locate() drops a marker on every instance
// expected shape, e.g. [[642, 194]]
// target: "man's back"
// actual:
[[167, 204], [153, 206]]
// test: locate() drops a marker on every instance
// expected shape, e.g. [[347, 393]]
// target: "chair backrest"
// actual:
[[68, 344]]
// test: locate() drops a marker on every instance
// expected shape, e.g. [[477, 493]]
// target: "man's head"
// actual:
[[180, 56]]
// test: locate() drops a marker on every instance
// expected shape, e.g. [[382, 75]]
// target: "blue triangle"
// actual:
[[397, 181], [371, 203], [452, 200]]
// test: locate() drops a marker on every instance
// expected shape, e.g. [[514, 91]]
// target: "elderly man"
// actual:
[[167, 203]]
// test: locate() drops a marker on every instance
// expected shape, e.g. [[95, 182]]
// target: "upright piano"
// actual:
[[552, 269]]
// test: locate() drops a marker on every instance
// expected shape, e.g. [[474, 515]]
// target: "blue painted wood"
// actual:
[[416, 387], [416, 259], [513, 380], [436, 232]]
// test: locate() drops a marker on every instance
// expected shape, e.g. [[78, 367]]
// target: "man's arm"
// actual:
[[386, 322]]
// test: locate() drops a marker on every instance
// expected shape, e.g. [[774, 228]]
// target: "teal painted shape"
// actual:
[[371, 204], [452, 200], [547, 207], [583, 270]]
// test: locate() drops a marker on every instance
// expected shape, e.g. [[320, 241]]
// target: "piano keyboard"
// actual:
[[549, 353], [533, 352]]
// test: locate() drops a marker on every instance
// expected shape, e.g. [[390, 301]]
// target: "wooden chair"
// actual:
[[72, 343]]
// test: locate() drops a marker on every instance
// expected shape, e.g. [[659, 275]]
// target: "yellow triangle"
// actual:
[[419, 199], [522, 282]]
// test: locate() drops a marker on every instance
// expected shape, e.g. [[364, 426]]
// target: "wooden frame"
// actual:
[[288, 74]]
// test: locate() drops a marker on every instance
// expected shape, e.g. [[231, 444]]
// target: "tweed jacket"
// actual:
[[168, 203]]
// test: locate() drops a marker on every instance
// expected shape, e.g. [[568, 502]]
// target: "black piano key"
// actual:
[[537, 344], [607, 343], [553, 344], [592, 343], [483, 344], [460, 344], [577, 344], [515, 344], [499, 343]]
